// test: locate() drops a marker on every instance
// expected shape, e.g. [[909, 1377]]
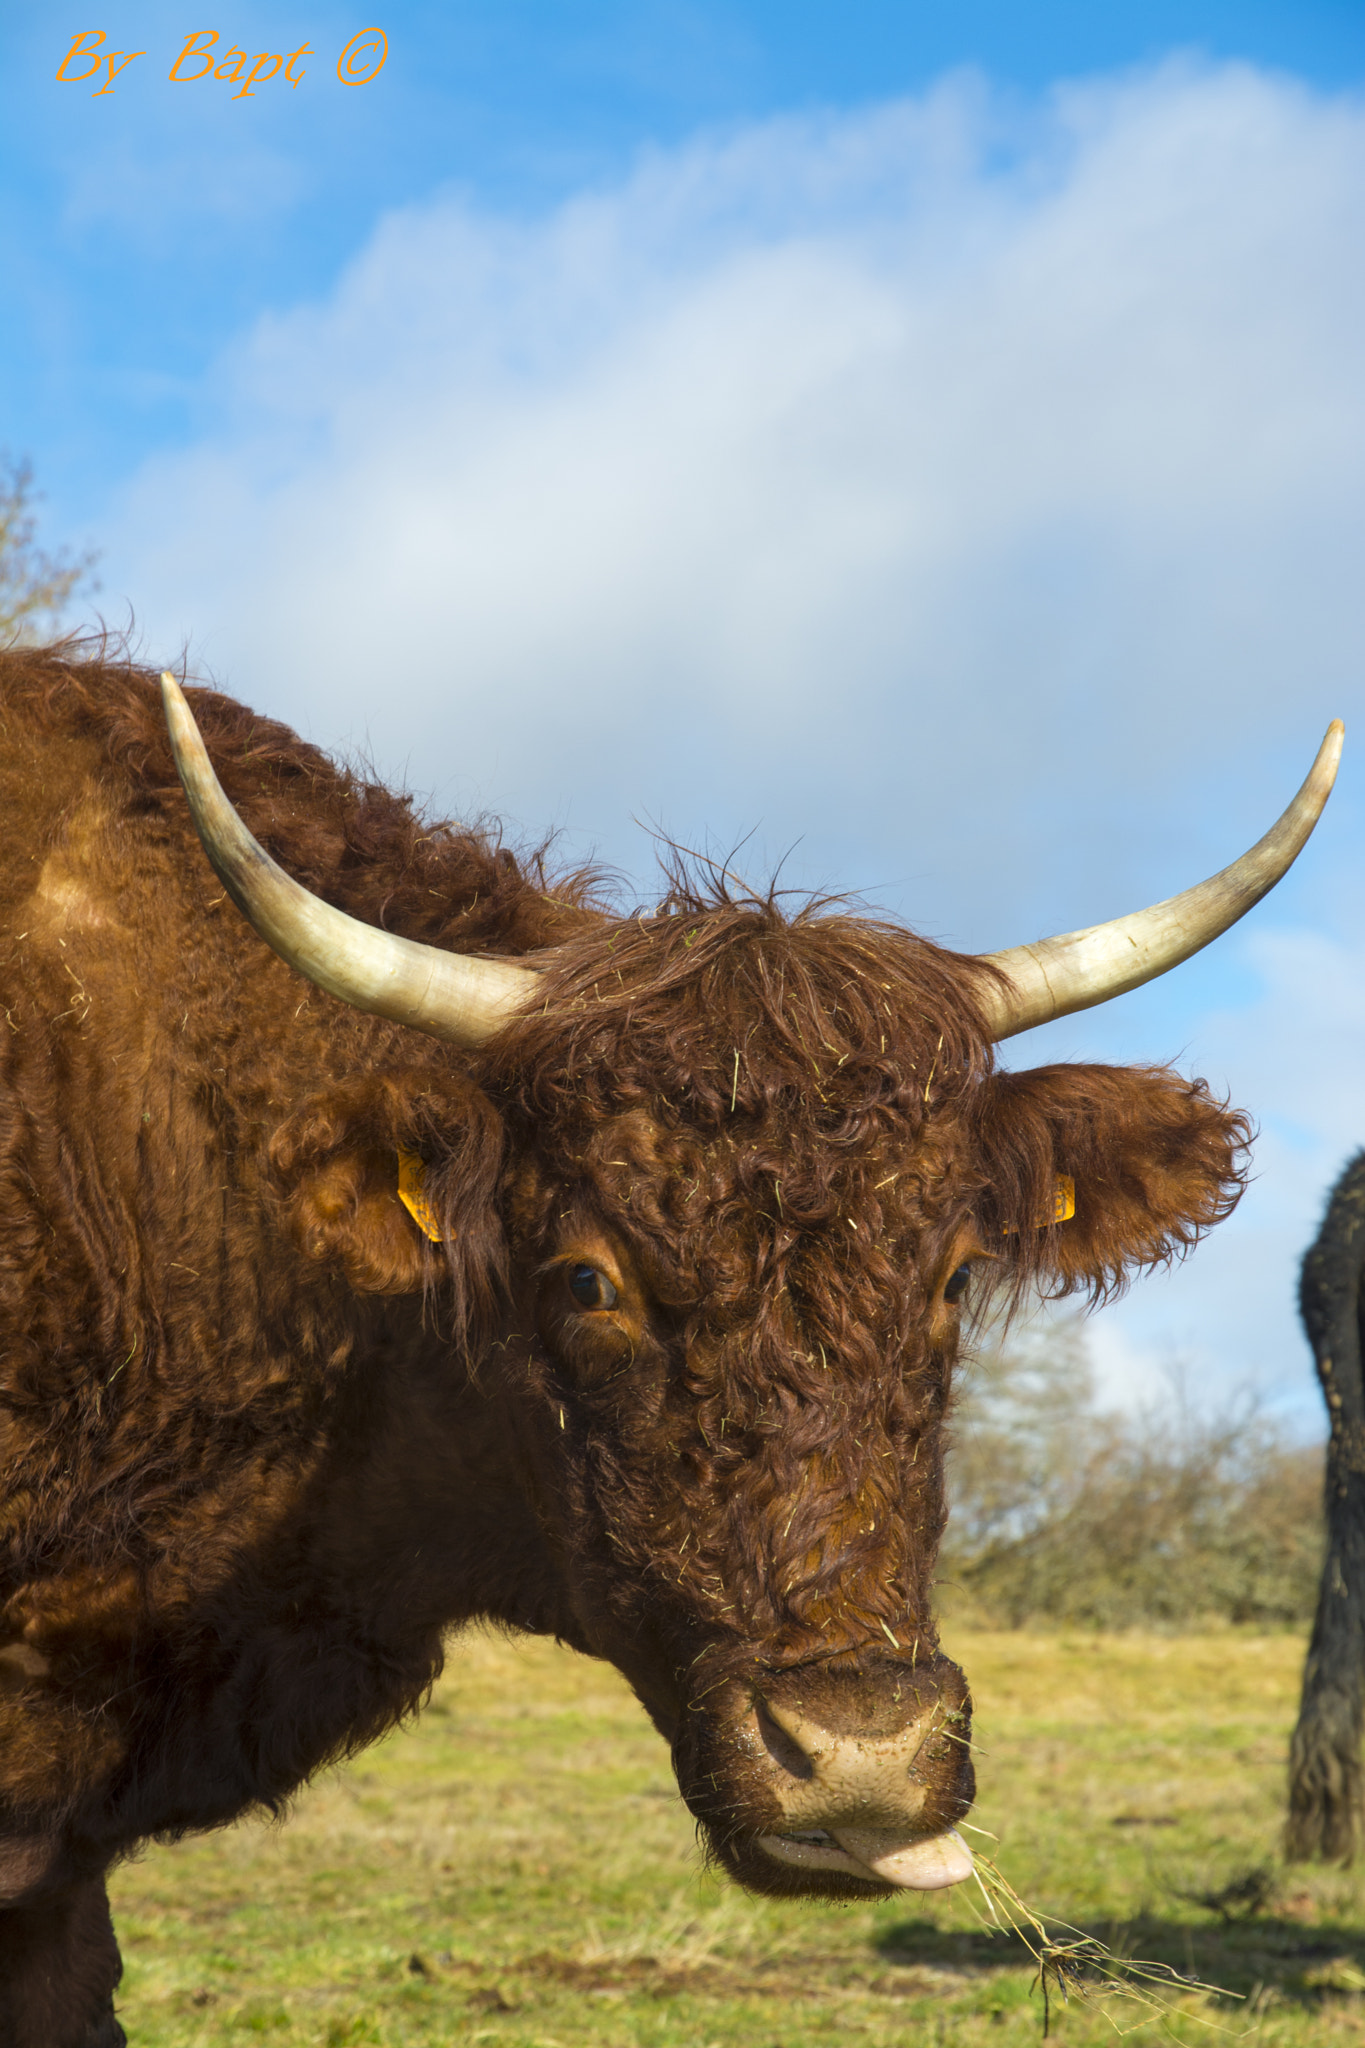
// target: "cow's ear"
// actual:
[[1156, 1160], [336, 1167]]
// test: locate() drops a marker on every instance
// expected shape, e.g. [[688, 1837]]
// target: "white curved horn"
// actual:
[[1078, 969], [455, 996]]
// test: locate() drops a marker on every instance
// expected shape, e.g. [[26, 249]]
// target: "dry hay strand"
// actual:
[[1073, 1964]]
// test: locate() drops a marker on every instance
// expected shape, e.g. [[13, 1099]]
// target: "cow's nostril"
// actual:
[[783, 1748]]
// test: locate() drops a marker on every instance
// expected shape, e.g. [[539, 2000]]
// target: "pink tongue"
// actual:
[[926, 1866]]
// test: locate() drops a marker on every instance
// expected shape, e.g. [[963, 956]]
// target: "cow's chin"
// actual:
[[847, 1863]]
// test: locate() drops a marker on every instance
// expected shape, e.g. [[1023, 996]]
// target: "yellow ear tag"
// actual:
[[412, 1173], [1063, 1204]]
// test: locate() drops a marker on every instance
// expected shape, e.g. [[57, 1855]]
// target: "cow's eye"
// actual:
[[957, 1285], [591, 1289]]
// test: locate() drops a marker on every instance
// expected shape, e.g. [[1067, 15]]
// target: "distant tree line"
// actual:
[[1166, 1516]]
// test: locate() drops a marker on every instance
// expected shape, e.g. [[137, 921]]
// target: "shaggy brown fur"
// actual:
[[264, 1443]]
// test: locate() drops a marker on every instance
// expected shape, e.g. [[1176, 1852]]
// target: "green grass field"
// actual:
[[516, 1869]]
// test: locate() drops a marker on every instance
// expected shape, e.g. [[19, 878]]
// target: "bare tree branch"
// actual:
[[35, 587]]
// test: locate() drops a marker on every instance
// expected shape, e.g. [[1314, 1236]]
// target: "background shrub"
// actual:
[[1167, 1516]]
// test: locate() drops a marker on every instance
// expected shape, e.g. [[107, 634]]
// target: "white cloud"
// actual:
[[955, 488]]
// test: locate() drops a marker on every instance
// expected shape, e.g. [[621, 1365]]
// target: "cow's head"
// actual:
[[748, 1174]]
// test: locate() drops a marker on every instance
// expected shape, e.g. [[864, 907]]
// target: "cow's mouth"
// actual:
[[879, 1856]]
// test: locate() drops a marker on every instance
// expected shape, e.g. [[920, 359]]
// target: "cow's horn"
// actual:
[[1078, 969], [454, 996]]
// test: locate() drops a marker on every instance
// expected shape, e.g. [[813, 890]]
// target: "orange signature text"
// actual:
[[200, 57]]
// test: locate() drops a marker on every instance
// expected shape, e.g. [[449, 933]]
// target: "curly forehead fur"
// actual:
[[822, 1038], [728, 1079], [734, 1064]]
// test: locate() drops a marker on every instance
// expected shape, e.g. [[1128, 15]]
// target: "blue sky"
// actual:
[[926, 439], [145, 230]]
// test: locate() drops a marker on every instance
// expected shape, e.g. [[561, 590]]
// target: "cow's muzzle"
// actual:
[[834, 1778], [855, 1805]]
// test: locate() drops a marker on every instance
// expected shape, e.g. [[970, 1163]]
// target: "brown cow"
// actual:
[[655, 1361]]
